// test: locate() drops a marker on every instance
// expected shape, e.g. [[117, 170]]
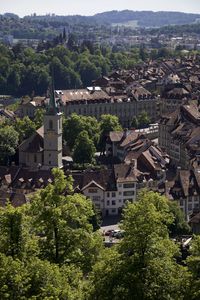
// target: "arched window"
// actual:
[[50, 124]]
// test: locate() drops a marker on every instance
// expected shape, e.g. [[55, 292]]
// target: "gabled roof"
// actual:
[[92, 184], [35, 143], [125, 173]]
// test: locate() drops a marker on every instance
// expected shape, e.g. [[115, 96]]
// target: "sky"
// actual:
[[90, 7]]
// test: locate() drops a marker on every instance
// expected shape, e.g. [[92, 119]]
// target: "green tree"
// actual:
[[135, 123], [16, 238], [143, 266], [84, 149], [143, 53], [25, 128], [193, 263], [13, 278], [74, 124], [63, 223], [48, 281], [39, 117], [143, 120], [107, 123], [179, 225], [8, 142], [37, 279]]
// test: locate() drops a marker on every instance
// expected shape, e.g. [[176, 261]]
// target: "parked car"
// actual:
[[119, 234], [109, 232]]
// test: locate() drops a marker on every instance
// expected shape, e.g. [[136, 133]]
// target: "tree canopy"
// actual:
[[8, 142], [107, 123], [143, 266], [63, 221], [84, 149]]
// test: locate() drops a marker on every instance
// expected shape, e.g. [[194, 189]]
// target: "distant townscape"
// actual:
[[100, 148]]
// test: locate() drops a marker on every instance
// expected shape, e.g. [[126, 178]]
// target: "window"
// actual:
[[49, 162], [113, 210], [35, 158], [119, 185], [49, 154], [129, 185], [129, 193], [120, 200], [108, 194], [120, 193], [96, 198], [108, 202], [50, 124], [92, 191], [113, 194], [113, 202]]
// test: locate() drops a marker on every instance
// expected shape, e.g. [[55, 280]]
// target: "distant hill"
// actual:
[[89, 27], [147, 18]]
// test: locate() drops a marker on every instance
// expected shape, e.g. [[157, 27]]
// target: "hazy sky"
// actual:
[[90, 7]]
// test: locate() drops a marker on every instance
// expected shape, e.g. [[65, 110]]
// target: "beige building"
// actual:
[[97, 101]]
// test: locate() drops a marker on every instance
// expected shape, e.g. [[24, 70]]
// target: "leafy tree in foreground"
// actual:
[[14, 279], [63, 223], [37, 279], [193, 263], [16, 239], [48, 281], [143, 266]]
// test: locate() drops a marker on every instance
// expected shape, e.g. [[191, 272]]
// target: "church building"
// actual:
[[44, 148]]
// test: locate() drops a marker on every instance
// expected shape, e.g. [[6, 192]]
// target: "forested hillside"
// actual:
[[24, 71]]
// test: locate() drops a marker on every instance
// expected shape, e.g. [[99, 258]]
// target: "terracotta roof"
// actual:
[[104, 178], [125, 173], [83, 94], [129, 137]]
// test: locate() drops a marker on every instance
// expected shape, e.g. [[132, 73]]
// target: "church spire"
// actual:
[[52, 108]]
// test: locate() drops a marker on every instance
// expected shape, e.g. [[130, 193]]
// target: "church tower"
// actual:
[[52, 134]]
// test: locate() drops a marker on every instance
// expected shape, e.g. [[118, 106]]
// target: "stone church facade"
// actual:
[[44, 147]]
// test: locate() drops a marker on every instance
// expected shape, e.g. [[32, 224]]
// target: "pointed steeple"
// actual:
[[52, 108]]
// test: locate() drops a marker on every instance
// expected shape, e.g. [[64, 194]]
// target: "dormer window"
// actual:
[[50, 124]]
